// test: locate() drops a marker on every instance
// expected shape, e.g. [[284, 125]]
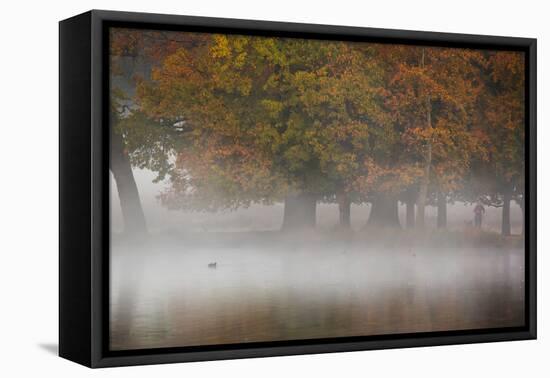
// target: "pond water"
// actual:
[[216, 290]]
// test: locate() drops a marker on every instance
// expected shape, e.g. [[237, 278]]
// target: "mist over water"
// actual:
[[262, 218], [216, 278]]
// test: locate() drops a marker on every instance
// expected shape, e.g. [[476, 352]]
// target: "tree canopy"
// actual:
[[233, 120]]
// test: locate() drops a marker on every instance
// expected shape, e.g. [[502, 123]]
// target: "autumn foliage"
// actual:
[[246, 119]]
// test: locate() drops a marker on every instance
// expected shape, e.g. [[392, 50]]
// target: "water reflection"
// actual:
[[165, 293]]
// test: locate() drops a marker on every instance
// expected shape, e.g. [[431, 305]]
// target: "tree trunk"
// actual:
[[423, 191], [384, 212], [299, 212], [441, 210], [132, 212], [410, 213], [506, 229], [344, 207]]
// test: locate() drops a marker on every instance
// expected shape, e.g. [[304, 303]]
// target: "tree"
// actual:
[[432, 92], [135, 139], [271, 119], [233, 120], [505, 115]]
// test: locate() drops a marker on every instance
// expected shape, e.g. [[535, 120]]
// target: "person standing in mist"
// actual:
[[479, 210]]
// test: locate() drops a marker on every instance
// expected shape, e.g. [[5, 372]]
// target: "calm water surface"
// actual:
[[165, 294]]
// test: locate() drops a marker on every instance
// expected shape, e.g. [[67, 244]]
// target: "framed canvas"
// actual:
[[233, 188]]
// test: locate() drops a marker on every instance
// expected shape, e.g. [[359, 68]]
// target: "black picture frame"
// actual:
[[84, 189]]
